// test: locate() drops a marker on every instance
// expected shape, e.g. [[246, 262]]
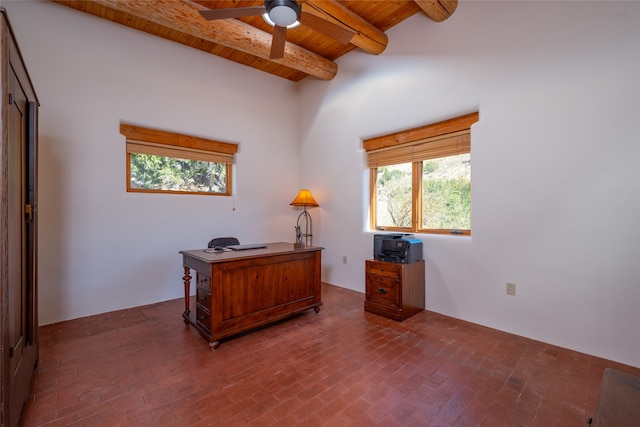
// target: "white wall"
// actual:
[[100, 247], [556, 161]]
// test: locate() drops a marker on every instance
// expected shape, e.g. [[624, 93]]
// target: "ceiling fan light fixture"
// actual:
[[268, 20], [283, 13]]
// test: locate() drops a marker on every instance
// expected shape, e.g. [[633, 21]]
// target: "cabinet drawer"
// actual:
[[203, 298], [383, 268], [383, 289]]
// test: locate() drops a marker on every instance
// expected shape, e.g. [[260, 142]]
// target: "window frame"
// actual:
[[156, 142], [412, 146]]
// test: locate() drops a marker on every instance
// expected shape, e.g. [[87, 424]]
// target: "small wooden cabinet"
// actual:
[[394, 290]]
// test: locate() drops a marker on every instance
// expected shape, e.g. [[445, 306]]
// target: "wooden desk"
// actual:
[[241, 290]]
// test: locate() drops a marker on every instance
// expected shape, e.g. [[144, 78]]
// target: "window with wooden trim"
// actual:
[[167, 162], [420, 179]]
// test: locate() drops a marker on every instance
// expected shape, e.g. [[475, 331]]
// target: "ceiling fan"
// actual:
[[282, 14]]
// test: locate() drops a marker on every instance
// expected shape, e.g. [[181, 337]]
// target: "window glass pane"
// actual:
[[151, 172], [393, 197], [446, 193]]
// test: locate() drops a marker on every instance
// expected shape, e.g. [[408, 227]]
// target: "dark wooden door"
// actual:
[[21, 243]]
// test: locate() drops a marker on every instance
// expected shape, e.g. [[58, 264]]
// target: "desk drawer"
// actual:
[[203, 298], [203, 302], [203, 319], [203, 282]]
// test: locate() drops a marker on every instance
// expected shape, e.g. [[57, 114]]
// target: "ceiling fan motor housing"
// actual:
[[283, 12]]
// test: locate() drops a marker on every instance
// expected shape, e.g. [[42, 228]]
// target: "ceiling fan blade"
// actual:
[[232, 12], [327, 28], [278, 41]]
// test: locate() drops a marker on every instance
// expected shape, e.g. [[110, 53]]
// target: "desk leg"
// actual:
[[187, 287]]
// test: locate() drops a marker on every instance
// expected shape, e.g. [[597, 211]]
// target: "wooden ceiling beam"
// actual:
[[367, 37], [438, 10], [183, 16]]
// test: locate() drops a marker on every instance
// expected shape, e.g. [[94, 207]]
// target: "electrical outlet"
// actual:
[[344, 259], [511, 288]]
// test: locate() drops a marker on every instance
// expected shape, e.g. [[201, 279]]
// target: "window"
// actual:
[[421, 178], [166, 162]]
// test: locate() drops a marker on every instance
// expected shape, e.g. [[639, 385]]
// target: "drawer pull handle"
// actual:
[[382, 269], [382, 290]]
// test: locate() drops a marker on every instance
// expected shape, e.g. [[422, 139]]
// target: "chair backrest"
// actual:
[[223, 242]]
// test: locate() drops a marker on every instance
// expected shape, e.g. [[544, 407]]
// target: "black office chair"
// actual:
[[223, 242]]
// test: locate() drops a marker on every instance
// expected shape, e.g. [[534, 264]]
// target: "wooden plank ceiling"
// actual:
[[247, 40]]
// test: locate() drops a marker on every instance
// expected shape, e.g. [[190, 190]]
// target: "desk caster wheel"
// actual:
[[214, 345], [316, 309]]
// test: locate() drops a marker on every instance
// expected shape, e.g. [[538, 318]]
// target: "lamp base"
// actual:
[[304, 238], [298, 245]]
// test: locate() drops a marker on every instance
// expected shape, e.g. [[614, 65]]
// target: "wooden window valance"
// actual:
[[441, 139], [168, 144]]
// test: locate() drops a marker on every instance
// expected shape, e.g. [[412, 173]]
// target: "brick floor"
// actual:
[[339, 367]]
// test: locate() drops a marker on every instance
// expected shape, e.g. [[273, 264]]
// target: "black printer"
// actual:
[[401, 248]]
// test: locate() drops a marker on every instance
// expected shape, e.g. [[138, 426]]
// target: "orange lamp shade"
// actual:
[[304, 198]]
